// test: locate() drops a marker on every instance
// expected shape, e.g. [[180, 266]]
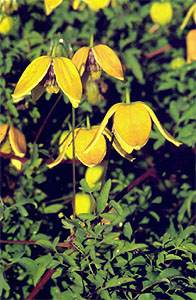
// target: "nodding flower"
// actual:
[[94, 59], [132, 125], [12, 141], [47, 73], [50, 5]]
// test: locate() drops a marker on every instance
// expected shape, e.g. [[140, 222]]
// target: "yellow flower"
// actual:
[[132, 125], [83, 137], [50, 5], [12, 141], [191, 45], [93, 59], [50, 74]]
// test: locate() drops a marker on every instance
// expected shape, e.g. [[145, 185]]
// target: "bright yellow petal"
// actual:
[[79, 59], [96, 154], [191, 45], [68, 79], [64, 149], [117, 146], [17, 141], [163, 131], [132, 126], [50, 5], [3, 131], [30, 78], [108, 61], [101, 128]]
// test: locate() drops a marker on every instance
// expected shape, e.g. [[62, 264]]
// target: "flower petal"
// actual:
[[132, 126], [37, 92], [163, 131], [17, 141], [117, 146], [191, 45], [50, 5], [96, 154], [30, 78], [79, 59], [101, 128], [3, 131], [68, 79], [108, 61]]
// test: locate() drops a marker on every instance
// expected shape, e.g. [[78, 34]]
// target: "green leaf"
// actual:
[[127, 230], [176, 297], [191, 295], [190, 247], [3, 285], [28, 264], [116, 281], [174, 111], [52, 209], [172, 257], [134, 65], [57, 273], [116, 206], [103, 197], [45, 244], [147, 296], [169, 273]]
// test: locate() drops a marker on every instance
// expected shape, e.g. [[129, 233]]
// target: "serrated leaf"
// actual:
[[103, 197]]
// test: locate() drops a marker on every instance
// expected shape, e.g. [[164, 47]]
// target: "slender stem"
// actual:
[[73, 161], [107, 162], [46, 119]]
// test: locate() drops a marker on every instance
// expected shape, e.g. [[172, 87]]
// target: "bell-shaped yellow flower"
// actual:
[[131, 126], [13, 141], [50, 74], [50, 5], [93, 59], [191, 45], [83, 137]]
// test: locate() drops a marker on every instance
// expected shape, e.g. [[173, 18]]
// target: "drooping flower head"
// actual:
[[13, 141], [50, 74], [132, 125], [83, 137], [97, 58]]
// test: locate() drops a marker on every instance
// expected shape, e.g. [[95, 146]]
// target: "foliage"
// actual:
[[140, 241]]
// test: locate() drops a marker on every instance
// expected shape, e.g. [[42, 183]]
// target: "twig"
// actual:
[[158, 51], [40, 284], [137, 181]]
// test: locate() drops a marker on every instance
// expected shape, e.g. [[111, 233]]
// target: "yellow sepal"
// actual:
[[50, 5], [79, 59], [17, 141], [68, 79], [30, 78], [3, 131], [108, 61], [162, 130]]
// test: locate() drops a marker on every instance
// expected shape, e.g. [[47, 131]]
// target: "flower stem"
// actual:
[[46, 119], [73, 162]]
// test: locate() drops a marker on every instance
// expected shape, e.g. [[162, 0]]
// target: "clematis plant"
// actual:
[[50, 5], [132, 125], [13, 141], [50, 73], [93, 59]]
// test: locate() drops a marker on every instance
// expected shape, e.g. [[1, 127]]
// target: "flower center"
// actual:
[[92, 66], [50, 81]]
